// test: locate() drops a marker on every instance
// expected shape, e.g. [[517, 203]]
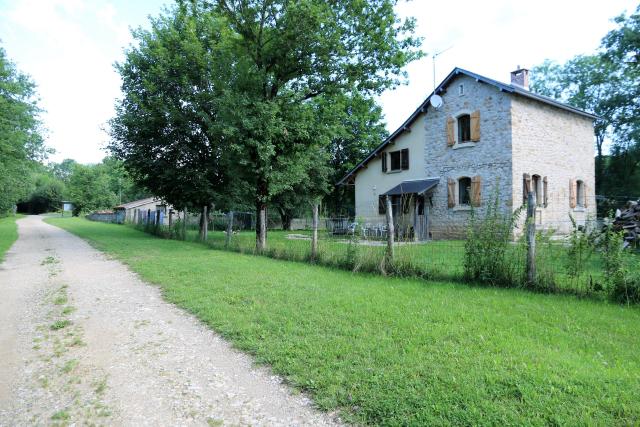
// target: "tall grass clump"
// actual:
[[490, 254]]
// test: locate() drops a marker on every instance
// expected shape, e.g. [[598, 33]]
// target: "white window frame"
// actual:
[[458, 145]]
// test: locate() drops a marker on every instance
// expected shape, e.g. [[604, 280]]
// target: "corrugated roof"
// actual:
[[414, 186], [509, 88]]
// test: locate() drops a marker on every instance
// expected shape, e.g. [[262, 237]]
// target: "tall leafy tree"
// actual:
[[21, 142], [167, 128], [297, 51]]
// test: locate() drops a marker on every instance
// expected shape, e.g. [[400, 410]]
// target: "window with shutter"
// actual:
[[451, 140], [545, 191], [404, 158], [394, 158], [572, 193], [476, 194], [475, 126], [384, 162], [464, 191], [464, 128], [451, 190]]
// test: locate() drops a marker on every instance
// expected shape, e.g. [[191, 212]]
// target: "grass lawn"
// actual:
[[8, 233], [396, 351]]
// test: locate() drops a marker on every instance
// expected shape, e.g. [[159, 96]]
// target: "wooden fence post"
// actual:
[[229, 229], [531, 238], [390, 228], [314, 234], [184, 223]]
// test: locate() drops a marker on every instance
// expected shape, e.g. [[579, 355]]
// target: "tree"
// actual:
[[89, 189], [296, 52], [47, 194], [167, 128], [21, 143]]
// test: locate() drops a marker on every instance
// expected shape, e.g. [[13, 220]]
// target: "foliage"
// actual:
[[46, 196], [289, 55], [488, 257], [389, 351], [89, 190], [606, 83], [167, 127], [21, 143]]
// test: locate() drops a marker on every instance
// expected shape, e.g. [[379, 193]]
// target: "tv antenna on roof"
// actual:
[[436, 100]]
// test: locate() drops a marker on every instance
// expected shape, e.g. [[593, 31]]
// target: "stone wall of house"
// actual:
[[552, 142], [489, 158]]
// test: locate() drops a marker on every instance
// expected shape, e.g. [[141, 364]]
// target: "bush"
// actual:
[[490, 254]]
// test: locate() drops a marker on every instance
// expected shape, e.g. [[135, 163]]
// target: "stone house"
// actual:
[[487, 139]]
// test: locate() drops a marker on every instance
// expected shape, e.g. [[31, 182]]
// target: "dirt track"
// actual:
[[84, 341]]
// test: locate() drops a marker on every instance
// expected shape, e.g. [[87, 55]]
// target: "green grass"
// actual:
[[8, 233], [399, 351]]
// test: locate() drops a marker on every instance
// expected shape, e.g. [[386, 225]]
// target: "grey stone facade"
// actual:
[[518, 135]]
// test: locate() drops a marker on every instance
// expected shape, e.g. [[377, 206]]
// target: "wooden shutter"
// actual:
[[545, 191], [584, 195], [382, 208], [383, 155], [475, 126], [476, 186], [404, 159], [526, 186], [573, 190], [451, 138], [451, 192]]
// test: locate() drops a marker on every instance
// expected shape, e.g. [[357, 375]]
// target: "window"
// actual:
[[395, 160], [464, 186], [580, 196], [399, 160], [382, 207], [461, 90], [464, 128]]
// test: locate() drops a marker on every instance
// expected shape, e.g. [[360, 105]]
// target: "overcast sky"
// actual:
[[69, 47]]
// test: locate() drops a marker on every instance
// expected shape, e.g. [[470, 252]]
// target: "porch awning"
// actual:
[[417, 186]]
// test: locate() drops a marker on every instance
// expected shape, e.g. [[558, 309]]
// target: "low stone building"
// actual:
[[485, 139]]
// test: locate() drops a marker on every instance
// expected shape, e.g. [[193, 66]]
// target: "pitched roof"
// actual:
[[136, 203], [503, 87]]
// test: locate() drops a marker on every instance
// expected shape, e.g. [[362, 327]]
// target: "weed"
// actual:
[[69, 366], [67, 310], [62, 415], [49, 261], [60, 324]]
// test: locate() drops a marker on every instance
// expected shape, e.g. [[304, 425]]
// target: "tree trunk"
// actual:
[[285, 219], [229, 229], [261, 226], [204, 220], [262, 192]]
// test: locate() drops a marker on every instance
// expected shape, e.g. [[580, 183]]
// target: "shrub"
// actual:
[[489, 249]]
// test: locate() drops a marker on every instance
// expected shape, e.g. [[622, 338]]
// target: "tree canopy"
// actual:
[[21, 142], [230, 99]]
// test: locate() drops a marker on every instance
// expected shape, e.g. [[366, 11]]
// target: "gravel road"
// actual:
[[84, 341]]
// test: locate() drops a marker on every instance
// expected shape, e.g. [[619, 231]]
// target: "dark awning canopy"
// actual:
[[418, 186]]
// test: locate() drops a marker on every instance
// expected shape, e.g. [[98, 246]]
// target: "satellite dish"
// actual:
[[436, 101]]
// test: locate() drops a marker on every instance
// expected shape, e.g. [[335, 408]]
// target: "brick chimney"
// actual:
[[520, 77]]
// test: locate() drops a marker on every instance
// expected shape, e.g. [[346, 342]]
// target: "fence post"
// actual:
[[170, 218], [204, 226], [531, 238], [229, 229], [390, 228], [184, 223], [314, 234]]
